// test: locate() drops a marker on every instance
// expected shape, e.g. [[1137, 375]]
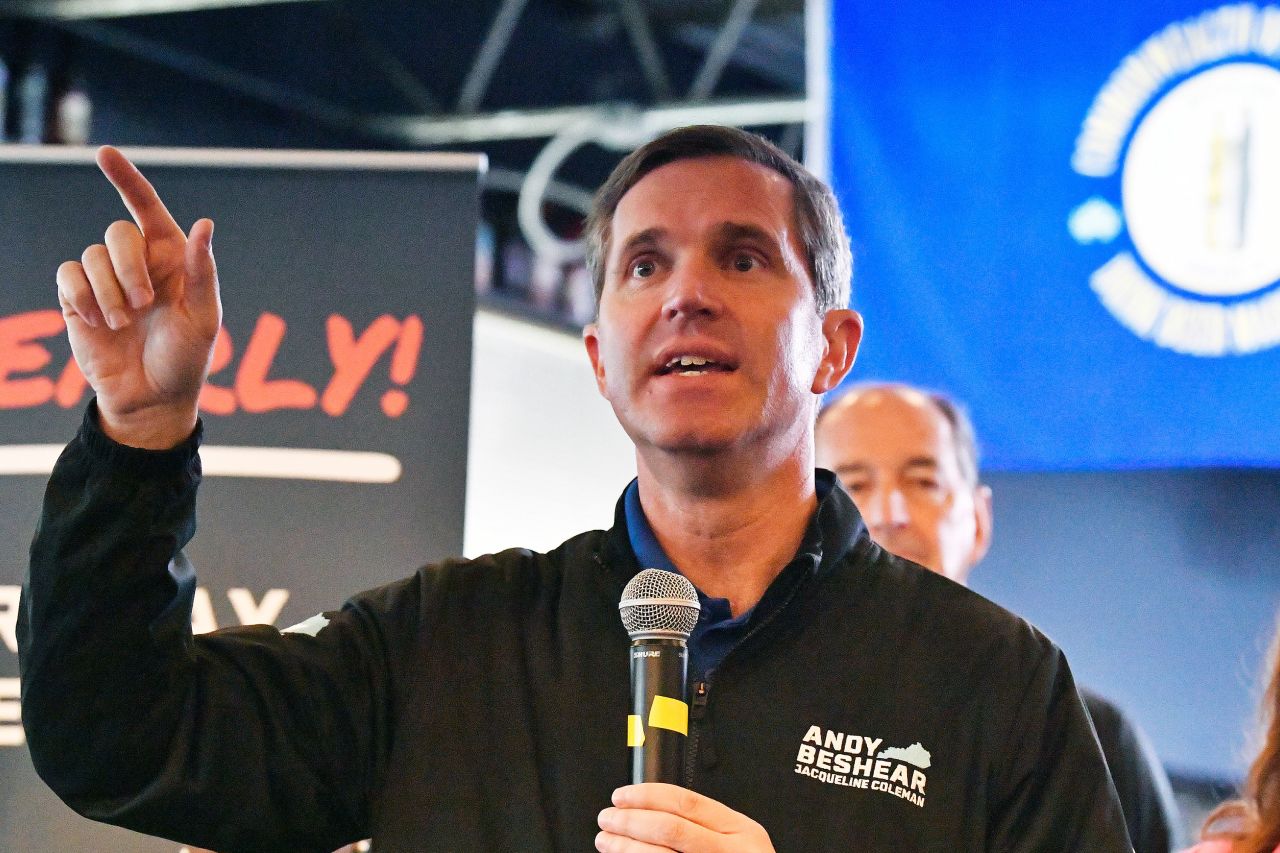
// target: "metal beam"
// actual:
[[73, 10], [436, 130], [505, 124], [772, 49], [495, 44], [398, 75], [722, 49], [200, 68], [537, 124], [636, 23]]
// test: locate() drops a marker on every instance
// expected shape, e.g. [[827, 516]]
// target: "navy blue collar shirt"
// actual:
[[718, 630]]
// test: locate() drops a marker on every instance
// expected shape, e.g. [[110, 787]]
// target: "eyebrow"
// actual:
[[725, 232], [647, 238], [864, 468], [729, 232]]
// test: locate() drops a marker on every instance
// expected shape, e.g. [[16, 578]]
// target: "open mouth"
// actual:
[[693, 365]]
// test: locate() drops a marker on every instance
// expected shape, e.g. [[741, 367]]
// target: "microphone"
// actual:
[[659, 609]]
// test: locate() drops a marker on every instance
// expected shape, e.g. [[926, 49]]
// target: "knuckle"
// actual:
[[671, 833], [78, 301]]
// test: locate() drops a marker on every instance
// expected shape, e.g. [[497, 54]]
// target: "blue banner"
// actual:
[[1069, 218]]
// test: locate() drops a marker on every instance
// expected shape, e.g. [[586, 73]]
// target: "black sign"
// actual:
[[335, 416]]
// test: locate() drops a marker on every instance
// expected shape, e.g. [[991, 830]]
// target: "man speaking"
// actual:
[[483, 704]]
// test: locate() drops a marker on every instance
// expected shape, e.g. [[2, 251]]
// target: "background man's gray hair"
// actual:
[[962, 434], [964, 439], [818, 220]]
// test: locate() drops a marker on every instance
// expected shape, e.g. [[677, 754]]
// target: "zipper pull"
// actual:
[[699, 708], [706, 757]]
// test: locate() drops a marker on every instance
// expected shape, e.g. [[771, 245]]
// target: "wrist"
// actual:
[[159, 427]]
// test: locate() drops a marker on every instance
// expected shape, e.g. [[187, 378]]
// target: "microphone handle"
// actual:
[[659, 723]]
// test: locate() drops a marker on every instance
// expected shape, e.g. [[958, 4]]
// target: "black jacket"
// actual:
[[480, 705], [1150, 810]]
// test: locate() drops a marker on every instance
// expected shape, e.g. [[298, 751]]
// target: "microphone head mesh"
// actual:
[[657, 603]]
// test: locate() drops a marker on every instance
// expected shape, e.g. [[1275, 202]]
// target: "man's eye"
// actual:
[[642, 269], [745, 263]]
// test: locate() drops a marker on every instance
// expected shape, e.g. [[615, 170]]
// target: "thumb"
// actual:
[[201, 288]]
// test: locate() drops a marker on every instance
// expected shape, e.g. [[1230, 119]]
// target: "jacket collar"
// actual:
[[835, 531]]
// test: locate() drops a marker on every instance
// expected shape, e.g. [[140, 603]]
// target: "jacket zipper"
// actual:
[[700, 692], [702, 689]]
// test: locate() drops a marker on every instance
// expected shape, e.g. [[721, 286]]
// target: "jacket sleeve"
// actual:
[[1051, 790], [245, 739]]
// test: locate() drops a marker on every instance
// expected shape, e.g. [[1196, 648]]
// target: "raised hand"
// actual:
[[657, 818], [142, 313]]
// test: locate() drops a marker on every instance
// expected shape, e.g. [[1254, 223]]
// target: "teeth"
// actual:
[[688, 361]]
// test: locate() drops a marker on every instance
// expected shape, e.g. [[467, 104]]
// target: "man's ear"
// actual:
[[591, 340], [842, 332]]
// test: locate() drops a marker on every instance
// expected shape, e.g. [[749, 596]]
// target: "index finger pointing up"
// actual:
[[138, 195]]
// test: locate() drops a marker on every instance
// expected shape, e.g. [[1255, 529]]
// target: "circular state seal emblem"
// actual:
[[1184, 143]]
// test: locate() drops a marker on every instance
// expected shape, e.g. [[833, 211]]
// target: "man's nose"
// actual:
[[886, 509], [691, 292]]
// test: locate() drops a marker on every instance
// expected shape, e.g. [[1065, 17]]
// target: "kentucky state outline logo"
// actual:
[[1184, 139]]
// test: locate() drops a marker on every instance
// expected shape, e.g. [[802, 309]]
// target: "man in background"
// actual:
[[909, 459]]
